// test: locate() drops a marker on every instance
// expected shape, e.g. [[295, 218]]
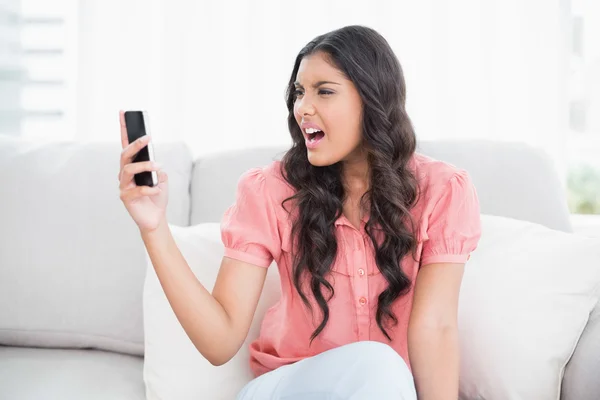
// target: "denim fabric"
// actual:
[[357, 371]]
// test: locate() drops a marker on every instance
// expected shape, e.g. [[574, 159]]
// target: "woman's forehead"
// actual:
[[316, 68]]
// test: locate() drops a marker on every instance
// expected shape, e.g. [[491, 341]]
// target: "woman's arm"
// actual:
[[216, 323], [433, 333]]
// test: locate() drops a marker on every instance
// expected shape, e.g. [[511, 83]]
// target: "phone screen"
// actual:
[[136, 123]]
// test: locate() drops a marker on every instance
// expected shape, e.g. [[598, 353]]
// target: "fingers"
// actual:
[[129, 195], [132, 149], [124, 138], [162, 177], [128, 171]]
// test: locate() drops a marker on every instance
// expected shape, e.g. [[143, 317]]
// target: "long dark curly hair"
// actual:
[[388, 138]]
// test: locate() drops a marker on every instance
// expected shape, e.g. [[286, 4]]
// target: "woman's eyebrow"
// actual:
[[317, 84]]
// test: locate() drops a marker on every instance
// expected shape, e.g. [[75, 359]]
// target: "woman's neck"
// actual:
[[356, 177]]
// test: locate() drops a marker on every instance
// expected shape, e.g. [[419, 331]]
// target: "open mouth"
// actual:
[[314, 136]]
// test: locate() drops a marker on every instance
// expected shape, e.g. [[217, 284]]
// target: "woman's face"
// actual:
[[328, 101]]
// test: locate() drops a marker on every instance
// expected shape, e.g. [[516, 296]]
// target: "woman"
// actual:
[[370, 238]]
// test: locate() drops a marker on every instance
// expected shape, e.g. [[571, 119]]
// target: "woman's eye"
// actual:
[[297, 93]]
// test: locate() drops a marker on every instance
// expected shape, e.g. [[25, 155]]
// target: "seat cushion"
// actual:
[[34, 373]]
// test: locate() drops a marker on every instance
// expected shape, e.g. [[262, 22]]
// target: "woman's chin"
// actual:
[[315, 159]]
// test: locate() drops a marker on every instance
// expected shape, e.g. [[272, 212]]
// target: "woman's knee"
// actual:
[[376, 355], [361, 370], [376, 367], [374, 349]]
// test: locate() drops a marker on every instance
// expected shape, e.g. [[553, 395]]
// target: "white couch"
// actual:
[[72, 263]]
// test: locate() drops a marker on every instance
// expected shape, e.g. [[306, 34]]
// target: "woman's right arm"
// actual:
[[216, 323]]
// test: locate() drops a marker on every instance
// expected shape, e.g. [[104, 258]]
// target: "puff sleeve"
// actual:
[[249, 228], [454, 225]]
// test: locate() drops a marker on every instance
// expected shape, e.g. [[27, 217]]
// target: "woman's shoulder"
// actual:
[[269, 180], [435, 177], [431, 172], [274, 175]]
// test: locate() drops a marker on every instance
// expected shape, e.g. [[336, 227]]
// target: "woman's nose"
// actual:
[[305, 107]]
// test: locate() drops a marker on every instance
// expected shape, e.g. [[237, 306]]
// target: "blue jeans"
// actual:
[[356, 371]]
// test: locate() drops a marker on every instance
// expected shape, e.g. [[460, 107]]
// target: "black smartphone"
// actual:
[[137, 126]]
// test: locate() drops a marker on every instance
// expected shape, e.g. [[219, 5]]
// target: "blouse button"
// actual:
[[362, 301], [361, 271]]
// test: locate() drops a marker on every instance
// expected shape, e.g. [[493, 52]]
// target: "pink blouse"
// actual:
[[256, 229]]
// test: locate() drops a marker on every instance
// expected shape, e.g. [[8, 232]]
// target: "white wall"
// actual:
[[214, 72]]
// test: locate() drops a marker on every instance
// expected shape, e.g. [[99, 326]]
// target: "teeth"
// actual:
[[312, 130]]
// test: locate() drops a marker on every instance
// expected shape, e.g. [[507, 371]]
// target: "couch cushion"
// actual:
[[512, 179], [33, 374], [173, 367], [218, 174], [581, 376], [72, 262], [525, 299]]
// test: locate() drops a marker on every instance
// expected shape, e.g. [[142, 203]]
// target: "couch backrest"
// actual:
[[72, 263], [512, 179]]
